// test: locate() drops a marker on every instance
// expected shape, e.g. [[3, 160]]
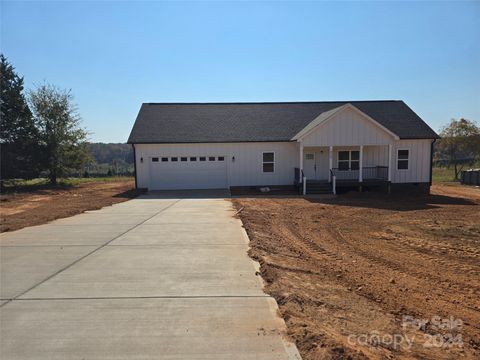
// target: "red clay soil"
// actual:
[[368, 276], [19, 210]]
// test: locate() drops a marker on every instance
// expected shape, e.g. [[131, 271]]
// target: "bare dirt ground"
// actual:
[[18, 210], [368, 276]]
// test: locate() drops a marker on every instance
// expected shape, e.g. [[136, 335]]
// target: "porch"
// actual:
[[324, 169]]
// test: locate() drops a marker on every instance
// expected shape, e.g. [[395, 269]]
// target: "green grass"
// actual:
[[42, 183], [443, 174]]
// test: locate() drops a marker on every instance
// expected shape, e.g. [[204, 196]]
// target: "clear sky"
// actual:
[[116, 55]]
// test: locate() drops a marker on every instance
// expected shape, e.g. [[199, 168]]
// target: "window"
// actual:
[[154, 159], [221, 158], [268, 162], [348, 160], [309, 156], [174, 159], [203, 158], [211, 158], [164, 159], [402, 159], [183, 159], [193, 158], [354, 160]]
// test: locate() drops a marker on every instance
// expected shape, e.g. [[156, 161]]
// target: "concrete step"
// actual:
[[319, 192]]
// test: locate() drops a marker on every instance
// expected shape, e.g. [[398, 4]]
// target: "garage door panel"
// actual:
[[188, 175]]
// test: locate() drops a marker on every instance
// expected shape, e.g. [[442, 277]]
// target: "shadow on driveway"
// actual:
[[188, 194]]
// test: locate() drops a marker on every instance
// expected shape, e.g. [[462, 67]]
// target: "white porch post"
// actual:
[[301, 158], [303, 178], [360, 169], [389, 162], [330, 163]]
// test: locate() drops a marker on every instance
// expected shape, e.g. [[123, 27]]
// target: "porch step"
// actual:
[[318, 188]]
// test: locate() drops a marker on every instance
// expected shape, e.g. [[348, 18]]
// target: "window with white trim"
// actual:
[[349, 160], [268, 162], [402, 159]]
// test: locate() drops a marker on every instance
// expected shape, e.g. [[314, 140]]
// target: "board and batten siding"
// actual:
[[246, 170], [418, 162], [345, 129]]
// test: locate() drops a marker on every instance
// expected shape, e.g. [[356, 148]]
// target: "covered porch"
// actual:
[[323, 169]]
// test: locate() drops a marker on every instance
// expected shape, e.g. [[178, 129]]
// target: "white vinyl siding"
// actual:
[[418, 161], [347, 128], [246, 170]]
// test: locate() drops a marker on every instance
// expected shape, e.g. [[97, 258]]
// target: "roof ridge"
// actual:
[[267, 102]]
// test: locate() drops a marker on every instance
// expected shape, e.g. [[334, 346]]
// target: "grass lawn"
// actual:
[[443, 174], [43, 183]]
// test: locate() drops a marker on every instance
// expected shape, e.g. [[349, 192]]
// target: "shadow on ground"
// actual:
[[393, 202]]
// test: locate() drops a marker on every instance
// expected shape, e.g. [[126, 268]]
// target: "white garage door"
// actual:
[[188, 172]]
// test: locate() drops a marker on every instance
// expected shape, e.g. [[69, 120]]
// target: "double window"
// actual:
[[268, 162], [348, 160], [402, 159]]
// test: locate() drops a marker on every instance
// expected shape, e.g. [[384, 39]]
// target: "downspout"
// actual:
[[431, 159], [135, 165]]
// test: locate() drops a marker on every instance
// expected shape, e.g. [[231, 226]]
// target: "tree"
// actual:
[[460, 143], [63, 141], [18, 135]]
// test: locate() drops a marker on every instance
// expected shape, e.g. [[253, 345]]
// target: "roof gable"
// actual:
[[348, 126], [257, 122], [330, 115]]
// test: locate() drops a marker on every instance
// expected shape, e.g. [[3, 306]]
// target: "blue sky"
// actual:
[[116, 55]]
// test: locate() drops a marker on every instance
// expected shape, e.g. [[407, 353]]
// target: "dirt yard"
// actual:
[[23, 209], [363, 276]]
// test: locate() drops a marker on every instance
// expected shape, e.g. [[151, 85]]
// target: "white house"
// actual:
[[318, 146]]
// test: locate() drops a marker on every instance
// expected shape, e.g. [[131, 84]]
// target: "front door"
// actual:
[[315, 165], [309, 166]]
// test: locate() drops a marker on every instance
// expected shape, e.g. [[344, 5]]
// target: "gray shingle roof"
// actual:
[[246, 122]]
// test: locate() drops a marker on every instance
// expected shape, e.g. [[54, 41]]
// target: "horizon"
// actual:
[[117, 56]]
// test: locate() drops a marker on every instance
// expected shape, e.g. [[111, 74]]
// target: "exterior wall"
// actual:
[[347, 128], [418, 164], [246, 170]]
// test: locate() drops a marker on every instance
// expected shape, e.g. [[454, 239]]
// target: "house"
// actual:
[[318, 146]]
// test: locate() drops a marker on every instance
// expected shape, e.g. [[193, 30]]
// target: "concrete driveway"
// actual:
[[163, 276]]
